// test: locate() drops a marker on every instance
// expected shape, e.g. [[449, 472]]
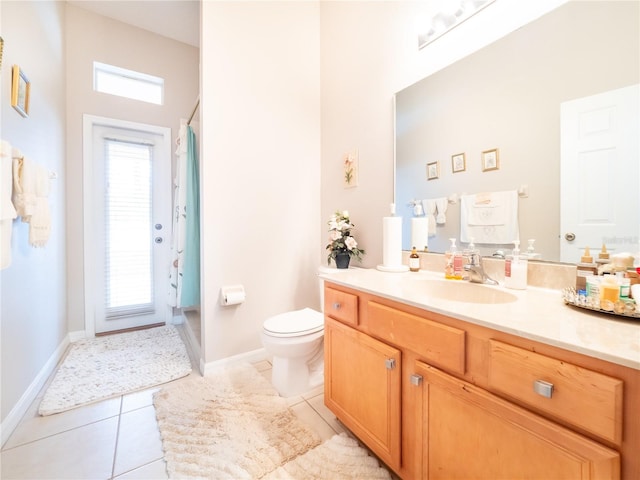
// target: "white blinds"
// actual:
[[128, 229]]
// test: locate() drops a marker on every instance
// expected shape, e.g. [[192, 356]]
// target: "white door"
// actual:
[[127, 224], [599, 173]]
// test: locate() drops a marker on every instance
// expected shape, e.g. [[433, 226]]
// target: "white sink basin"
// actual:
[[462, 291]]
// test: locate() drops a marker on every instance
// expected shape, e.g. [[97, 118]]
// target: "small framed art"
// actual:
[[458, 163], [490, 160], [20, 90], [433, 170]]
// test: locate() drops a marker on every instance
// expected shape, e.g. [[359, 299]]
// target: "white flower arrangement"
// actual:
[[340, 238]]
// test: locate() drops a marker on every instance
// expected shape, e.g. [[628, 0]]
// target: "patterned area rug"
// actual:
[[232, 424], [103, 367]]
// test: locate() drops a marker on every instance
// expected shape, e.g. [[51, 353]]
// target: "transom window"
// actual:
[[127, 83]]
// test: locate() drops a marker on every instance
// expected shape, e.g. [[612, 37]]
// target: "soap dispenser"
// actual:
[[453, 262], [515, 269], [586, 268]]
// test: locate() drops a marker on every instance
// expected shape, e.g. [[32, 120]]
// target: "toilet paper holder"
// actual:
[[232, 295]]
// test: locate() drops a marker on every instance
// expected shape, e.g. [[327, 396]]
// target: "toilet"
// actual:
[[296, 340]]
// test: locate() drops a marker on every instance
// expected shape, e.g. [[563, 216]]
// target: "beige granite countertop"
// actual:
[[538, 313]]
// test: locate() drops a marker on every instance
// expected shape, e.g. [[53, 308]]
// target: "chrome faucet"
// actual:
[[476, 270]]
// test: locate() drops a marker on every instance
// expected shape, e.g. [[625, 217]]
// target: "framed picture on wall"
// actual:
[[458, 163], [490, 160], [20, 91], [433, 170]]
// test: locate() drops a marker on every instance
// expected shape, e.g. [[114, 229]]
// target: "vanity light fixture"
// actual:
[[449, 18]]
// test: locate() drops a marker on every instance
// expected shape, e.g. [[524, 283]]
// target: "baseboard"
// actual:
[[253, 356], [12, 420], [77, 335]]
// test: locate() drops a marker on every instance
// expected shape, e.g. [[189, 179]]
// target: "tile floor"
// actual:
[[115, 439]]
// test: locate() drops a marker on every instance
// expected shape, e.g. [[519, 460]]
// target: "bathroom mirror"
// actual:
[[507, 97]]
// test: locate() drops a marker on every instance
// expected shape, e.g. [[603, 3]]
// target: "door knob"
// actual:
[[158, 226], [158, 239], [570, 237]]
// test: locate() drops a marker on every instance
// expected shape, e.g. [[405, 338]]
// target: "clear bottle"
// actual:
[[414, 261], [515, 269], [449, 256]]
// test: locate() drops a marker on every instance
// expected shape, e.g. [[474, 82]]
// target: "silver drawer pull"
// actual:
[[543, 388], [416, 379], [336, 306], [390, 363]]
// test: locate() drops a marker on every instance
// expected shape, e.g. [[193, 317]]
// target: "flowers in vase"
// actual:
[[340, 238]]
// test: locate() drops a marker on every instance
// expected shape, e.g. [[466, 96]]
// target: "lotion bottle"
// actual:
[[515, 269]]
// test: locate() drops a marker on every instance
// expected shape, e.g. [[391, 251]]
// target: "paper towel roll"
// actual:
[[420, 232], [392, 241]]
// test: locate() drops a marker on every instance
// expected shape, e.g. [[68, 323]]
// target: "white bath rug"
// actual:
[[103, 367], [231, 424], [340, 458]]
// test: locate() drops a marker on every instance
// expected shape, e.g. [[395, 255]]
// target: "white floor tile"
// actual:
[[155, 470], [34, 426], [309, 416], [82, 453], [136, 400], [139, 440], [317, 403]]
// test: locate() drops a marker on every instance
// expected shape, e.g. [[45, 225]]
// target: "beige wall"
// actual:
[[90, 38], [260, 166], [33, 302]]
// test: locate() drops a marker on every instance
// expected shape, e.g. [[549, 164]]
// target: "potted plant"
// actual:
[[342, 246]]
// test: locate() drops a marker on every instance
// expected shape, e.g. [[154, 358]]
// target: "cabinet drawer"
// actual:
[[436, 343], [341, 305], [586, 399]]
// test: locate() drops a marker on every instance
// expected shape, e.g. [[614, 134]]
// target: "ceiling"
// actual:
[[176, 19]]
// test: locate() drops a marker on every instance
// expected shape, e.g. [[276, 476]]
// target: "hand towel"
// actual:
[[430, 211], [24, 185], [40, 221], [441, 205], [495, 222], [7, 210]]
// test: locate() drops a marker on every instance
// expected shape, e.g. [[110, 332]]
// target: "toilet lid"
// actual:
[[296, 323]]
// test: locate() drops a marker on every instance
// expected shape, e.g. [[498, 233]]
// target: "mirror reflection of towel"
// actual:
[[429, 205], [493, 222], [441, 205]]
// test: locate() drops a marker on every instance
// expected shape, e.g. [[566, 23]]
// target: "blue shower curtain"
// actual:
[[184, 282]]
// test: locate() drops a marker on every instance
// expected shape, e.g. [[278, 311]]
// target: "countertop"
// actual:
[[538, 314]]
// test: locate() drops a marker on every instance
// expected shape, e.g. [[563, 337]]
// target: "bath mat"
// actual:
[[340, 458], [103, 367], [231, 424]]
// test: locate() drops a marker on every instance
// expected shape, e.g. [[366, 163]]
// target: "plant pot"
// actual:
[[342, 260]]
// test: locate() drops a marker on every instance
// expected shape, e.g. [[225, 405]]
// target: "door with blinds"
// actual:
[[127, 224]]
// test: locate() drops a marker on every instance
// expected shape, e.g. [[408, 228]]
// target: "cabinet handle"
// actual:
[[416, 379], [336, 306], [390, 363], [543, 388]]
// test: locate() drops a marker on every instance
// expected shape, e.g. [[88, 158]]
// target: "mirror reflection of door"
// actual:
[[131, 224], [599, 173]]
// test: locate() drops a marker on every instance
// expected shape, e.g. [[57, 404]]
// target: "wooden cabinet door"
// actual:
[[470, 434], [362, 387]]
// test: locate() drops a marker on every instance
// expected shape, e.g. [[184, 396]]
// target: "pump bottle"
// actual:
[[515, 269]]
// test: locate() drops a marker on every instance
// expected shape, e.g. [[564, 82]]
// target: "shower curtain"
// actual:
[[184, 277]]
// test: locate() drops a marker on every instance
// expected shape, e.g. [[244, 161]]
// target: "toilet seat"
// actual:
[[294, 324]]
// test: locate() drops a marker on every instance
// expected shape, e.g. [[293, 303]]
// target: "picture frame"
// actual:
[[433, 170], [458, 163], [490, 160], [20, 91], [350, 169], [1, 51]]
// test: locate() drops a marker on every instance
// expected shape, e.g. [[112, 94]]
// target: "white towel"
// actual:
[[24, 185], [490, 219], [430, 211], [40, 221], [441, 205], [7, 211]]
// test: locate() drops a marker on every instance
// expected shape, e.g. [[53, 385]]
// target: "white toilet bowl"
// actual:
[[295, 339]]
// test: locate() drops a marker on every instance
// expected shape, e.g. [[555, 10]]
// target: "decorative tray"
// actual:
[[621, 308]]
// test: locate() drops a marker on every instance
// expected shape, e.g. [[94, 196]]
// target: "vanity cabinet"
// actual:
[[439, 398]]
